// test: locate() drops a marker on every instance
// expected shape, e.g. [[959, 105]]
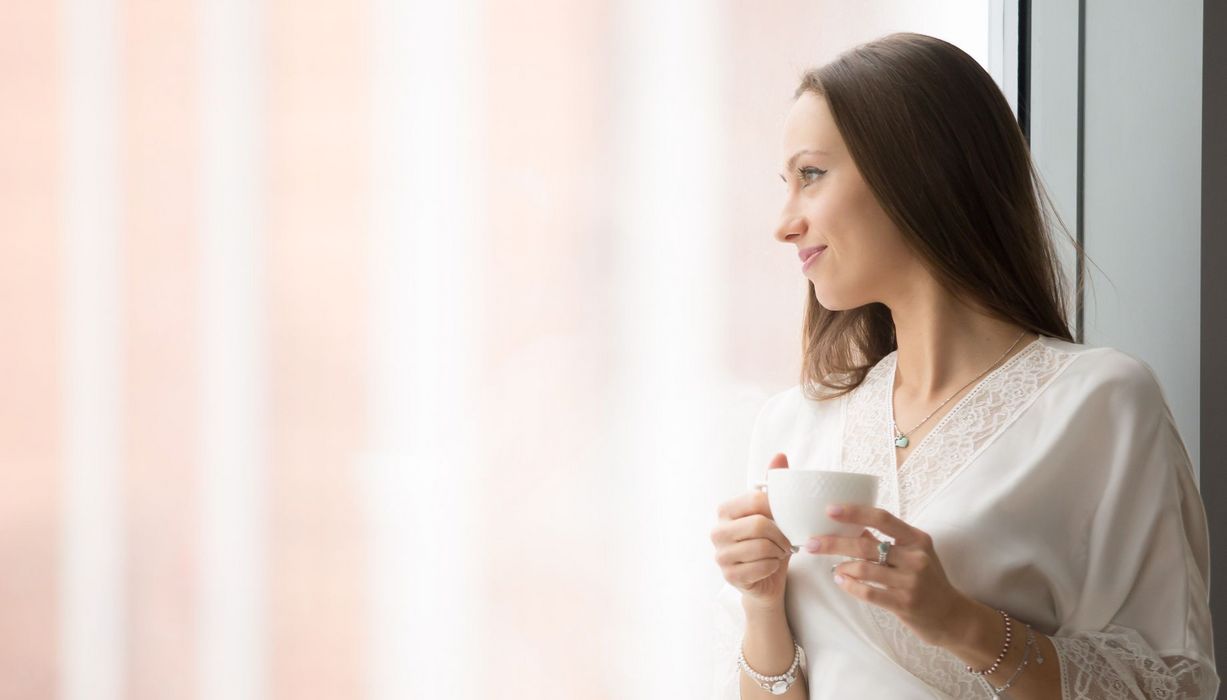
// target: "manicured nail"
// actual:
[[839, 578], [813, 545], [835, 510]]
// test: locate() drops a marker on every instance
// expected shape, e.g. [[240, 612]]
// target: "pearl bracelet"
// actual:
[[996, 692], [776, 685], [1005, 648]]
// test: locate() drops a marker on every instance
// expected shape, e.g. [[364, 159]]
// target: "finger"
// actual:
[[747, 552], [751, 527], [863, 546], [759, 526], [882, 597], [755, 500], [748, 503], [880, 519], [745, 575], [869, 571], [778, 461]]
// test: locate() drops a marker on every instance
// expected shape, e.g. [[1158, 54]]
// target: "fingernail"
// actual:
[[839, 578], [813, 545], [835, 510]]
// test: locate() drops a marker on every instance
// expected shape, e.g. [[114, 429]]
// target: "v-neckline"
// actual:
[[890, 400]]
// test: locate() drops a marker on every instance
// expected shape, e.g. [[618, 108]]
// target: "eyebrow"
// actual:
[[798, 154]]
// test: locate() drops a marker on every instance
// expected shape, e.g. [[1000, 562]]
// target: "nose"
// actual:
[[790, 227]]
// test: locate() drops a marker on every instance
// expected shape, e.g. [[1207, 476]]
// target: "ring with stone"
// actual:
[[883, 550]]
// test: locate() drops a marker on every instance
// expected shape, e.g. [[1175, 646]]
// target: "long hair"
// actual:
[[937, 144]]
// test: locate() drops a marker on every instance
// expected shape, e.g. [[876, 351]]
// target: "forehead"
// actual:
[[809, 125]]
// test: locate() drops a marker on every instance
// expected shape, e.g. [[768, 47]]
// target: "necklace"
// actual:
[[901, 440]]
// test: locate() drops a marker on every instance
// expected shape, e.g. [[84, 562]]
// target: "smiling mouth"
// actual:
[[813, 256]]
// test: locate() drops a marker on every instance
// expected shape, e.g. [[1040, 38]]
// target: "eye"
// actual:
[[805, 172]]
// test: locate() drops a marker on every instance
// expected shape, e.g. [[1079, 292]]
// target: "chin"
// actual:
[[829, 301]]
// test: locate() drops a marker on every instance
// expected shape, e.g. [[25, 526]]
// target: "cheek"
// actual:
[[849, 277], [848, 223], [836, 281]]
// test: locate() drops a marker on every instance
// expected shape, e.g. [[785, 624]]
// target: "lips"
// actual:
[[810, 255], [804, 253]]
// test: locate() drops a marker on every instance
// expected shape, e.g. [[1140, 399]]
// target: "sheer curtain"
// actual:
[[389, 349]]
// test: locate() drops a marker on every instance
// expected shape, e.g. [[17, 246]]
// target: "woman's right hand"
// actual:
[[752, 552]]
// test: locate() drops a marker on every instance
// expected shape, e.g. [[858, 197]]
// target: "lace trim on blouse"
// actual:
[[1094, 665], [1118, 663]]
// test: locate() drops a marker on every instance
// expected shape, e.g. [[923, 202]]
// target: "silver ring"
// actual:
[[883, 550]]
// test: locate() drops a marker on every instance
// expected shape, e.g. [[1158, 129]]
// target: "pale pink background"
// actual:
[[565, 579]]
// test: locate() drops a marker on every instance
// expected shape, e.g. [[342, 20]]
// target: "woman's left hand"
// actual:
[[916, 588]]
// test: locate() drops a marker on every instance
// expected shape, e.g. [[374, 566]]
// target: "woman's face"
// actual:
[[828, 204]]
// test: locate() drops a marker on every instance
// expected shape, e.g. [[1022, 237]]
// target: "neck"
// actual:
[[943, 345]]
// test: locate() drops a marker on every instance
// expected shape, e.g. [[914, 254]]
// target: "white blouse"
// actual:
[[1058, 489]]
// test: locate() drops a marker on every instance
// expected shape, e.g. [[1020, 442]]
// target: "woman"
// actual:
[[1045, 537]]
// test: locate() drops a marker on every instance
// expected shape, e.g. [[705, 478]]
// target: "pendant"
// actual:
[[901, 441]]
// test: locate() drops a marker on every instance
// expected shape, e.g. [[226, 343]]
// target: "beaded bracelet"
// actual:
[[1005, 648], [1026, 659], [776, 685]]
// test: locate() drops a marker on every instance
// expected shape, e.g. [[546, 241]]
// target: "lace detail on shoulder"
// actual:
[[863, 446], [969, 427], [974, 422], [1118, 663]]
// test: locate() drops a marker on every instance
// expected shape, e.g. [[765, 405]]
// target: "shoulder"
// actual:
[[1102, 383], [778, 408], [1114, 374], [792, 403], [790, 422], [793, 399], [1116, 425]]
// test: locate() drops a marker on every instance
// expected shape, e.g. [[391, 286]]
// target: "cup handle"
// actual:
[[762, 486]]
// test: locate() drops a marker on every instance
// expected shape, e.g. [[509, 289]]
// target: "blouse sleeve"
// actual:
[[1141, 627], [730, 620], [730, 623]]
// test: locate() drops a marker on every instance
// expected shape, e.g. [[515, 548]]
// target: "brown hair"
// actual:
[[938, 145]]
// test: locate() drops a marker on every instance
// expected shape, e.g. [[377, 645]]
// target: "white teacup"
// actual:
[[799, 500]]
